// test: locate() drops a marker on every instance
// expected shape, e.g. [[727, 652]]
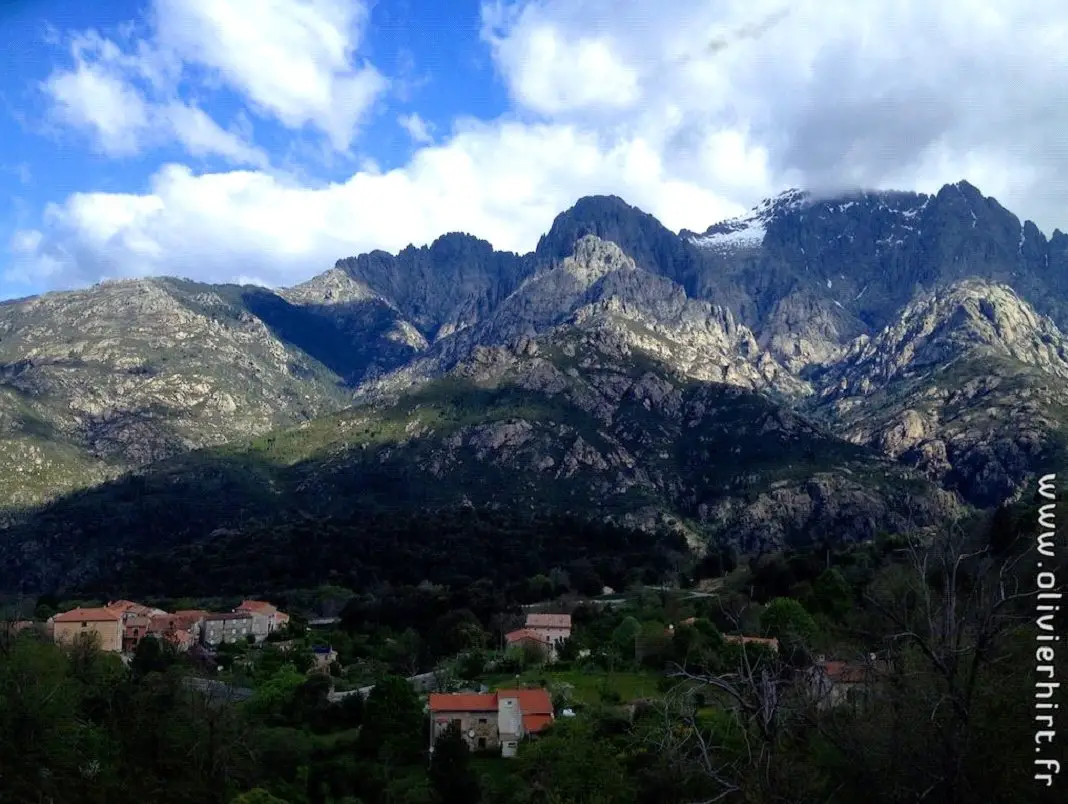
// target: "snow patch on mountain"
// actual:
[[733, 235], [747, 231]]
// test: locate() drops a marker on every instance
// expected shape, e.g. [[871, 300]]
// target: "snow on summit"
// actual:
[[747, 231]]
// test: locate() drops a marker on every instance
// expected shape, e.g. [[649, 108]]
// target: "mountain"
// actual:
[[969, 386], [575, 422], [95, 382], [862, 361]]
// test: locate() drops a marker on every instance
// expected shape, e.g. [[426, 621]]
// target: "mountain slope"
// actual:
[[856, 311], [575, 422], [970, 386], [598, 282], [96, 381]]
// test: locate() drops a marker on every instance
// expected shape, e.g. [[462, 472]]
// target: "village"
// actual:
[[493, 715]]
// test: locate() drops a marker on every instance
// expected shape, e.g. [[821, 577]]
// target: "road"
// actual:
[[218, 691], [423, 682]]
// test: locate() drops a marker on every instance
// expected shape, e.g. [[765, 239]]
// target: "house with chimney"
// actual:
[[547, 631], [493, 721]]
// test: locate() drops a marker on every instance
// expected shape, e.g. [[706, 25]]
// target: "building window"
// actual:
[[456, 723], [84, 625], [482, 720]]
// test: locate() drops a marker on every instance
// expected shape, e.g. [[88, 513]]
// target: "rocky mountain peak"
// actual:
[[334, 286], [970, 319]]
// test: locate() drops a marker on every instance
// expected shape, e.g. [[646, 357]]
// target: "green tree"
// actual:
[[574, 763], [788, 621], [275, 696], [258, 796], [623, 638], [832, 594], [393, 724], [152, 655], [451, 775]]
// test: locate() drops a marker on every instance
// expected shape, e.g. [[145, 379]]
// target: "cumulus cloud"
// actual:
[[691, 111], [503, 181], [293, 61]]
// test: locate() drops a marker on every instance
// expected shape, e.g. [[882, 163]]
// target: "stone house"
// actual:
[[524, 637], [265, 617], [494, 721], [554, 627], [834, 683], [544, 630], [229, 626], [103, 623], [181, 629]]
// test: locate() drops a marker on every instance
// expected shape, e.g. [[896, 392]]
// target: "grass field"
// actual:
[[585, 687]]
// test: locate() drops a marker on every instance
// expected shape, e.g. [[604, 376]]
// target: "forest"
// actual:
[[667, 707]]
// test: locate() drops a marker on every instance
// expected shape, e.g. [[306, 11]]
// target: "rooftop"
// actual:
[[548, 621], [97, 615], [228, 615], [525, 633]]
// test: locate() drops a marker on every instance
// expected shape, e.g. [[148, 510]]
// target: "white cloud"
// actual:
[[105, 95], [294, 61], [418, 129], [689, 110], [502, 182], [90, 97]]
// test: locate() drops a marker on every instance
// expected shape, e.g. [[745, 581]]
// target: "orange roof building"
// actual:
[[103, 625], [494, 721]]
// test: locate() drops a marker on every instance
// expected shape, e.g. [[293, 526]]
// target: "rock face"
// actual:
[[99, 381], [574, 421], [924, 331], [967, 386]]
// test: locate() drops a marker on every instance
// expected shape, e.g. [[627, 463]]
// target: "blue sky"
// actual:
[[260, 140]]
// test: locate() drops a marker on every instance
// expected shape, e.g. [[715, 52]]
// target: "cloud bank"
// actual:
[[692, 111]]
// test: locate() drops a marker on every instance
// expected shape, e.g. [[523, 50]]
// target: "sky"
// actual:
[[261, 140]]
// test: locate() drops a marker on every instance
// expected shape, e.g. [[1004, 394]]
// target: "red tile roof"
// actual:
[[257, 606], [463, 702], [852, 673], [532, 724], [535, 705], [192, 615], [525, 633], [548, 621], [97, 615], [129, 607], [533, 701]]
